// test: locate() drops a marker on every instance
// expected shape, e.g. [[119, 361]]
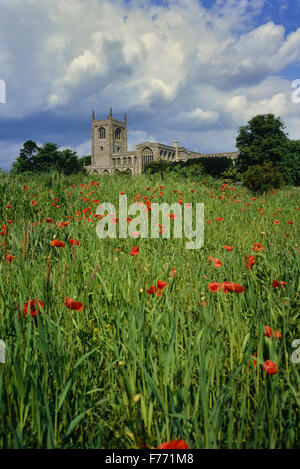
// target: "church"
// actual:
[[109, 153]]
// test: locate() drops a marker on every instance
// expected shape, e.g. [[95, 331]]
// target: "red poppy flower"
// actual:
[[34, 202], [228, 248], [213, 287], [72, 304], [157, 290], [134, 251], [275, 334], [268, 330], [250, 261], [10, 258], [174, 444], [232, 287], [270, 367], [64, 223], [278, 284], [74, 242], [217, 262], [32, 306], [290, 222], [257, 247], [276, 222], [48, 220], [173, 273], [152, 290], [57, 244], [161, 285]]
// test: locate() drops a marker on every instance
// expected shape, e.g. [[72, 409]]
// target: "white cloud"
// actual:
[[206, 70]]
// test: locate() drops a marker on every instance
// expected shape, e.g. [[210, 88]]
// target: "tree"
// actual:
[[291, 163], [46, 158], [68, 162], [85, 161], [263, 139], [26, 159], [158, 166], [263, 177]]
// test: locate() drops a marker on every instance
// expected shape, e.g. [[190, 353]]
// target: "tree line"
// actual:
[[33, 158], [267, 157]]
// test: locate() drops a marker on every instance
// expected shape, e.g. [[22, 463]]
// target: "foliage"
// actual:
[[262, 139], [290, 163], [131, 369], [85, 161], [46, 158], [214, 166], [192, 168], [262, 178], [232, 174]]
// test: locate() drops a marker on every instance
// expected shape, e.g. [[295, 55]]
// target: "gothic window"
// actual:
[[118, 134], [125, 161], [147, 156], [118, 161], [114, 162], [129, 160], [102, 133]]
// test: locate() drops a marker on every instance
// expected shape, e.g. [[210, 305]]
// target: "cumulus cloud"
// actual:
[[179, 70]]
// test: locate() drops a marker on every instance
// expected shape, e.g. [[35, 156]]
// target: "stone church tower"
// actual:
[[109, 139], [109, 152]]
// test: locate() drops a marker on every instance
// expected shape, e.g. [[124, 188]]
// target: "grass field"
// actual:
[[132, 369]]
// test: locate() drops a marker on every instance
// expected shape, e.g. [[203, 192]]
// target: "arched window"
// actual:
[[129, 159], [118, 134], [102, 132], [118, 161], [147, 156]]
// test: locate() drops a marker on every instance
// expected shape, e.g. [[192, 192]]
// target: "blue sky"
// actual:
[[186, 70]]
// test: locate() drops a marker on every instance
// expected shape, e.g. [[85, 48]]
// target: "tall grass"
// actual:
[[133, 369]]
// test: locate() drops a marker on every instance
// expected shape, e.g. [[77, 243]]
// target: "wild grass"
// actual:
[[133, 369]]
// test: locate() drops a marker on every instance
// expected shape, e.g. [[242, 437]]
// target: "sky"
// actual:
[[186, 70]]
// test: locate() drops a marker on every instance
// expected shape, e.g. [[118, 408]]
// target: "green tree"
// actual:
[[290, 163], [262, 139], [85, 161], [68, 162], [263, 177], [47, 157], [26, 159]]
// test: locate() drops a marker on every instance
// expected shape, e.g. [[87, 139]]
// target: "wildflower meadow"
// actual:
[[134, 343]]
